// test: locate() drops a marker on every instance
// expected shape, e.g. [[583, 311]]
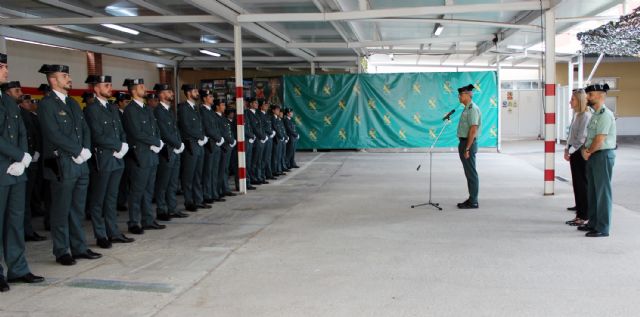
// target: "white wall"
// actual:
[[25, 60]]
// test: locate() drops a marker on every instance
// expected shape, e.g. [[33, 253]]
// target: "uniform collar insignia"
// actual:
[[62, 113]]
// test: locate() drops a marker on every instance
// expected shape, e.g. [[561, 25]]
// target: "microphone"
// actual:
[[448, 115]]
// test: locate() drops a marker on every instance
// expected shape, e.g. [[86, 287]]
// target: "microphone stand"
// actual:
[[431, 203]]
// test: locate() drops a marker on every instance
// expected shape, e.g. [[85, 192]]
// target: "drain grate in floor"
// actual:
[[121, 285]]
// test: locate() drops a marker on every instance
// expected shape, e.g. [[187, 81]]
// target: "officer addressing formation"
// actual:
[[140, 148]]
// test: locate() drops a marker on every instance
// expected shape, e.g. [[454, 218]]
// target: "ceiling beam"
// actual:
[[216, 8], [401, 51], [52, 40], [147, 19], [456, 22], [335, 25], [275, 59], [391, 13], [191, 45]]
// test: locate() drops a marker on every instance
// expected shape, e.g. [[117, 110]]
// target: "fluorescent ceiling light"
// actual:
[[515, 47], [105, 39], [207, 52], [121, 28], [438, 30], [208, 39], [37, 43], [119, 11]]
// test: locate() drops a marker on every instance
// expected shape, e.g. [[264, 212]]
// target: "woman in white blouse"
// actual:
[[577, 137]]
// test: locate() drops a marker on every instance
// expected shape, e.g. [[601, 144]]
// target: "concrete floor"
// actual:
[[337, 238]]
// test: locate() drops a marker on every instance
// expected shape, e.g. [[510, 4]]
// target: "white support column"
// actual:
[[242, 164], [313, 68], [499, 128], [550, 102], [581, 71]]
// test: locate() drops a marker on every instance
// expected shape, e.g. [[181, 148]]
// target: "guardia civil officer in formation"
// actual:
[[109, 146], [269, 132], [599, 152], [279, 141], [257, 139], [292, 132], [169, 161], [194, 139], [14, 159], [66, 151], [227, 149], [468, 132], [213, 149], [143, 137]]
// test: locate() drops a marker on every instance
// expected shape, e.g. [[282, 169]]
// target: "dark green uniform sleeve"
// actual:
[[50, 127]]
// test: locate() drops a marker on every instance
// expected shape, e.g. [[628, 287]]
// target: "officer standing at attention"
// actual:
[[194, 139], [67, 140], [144, 139], [34, 173], [109, 145], [212, 152], [152, 100], [269, 132], [169, 167], [14, 159], [278, 141], [227, 149], [255, 139], [122, 100], [468, 130], [290, 127], [599, 153]]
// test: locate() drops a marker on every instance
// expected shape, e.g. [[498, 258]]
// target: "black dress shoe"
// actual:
[[89, 255], [192, 208], [66, 260], [27, 278], [256, 183], [104, 243], [596, 234], [35, 237], [287, 171], [251, 188], [136, 230], [585, 228], [230, 194], [220, 199], [178, 214], [295, 166], [463, 203], [209, 201], [122, 239], [4, 287], [203, 206], [164, 217], [468, 205], [122, 208], [154, 226], [264, 182], [574, 208], [271, 178]]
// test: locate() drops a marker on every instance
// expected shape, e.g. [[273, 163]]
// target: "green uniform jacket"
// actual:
[[248, 127], [65, 132], [168, 126], [190, 122], [225, 129], [107, 135], [34, 137], [267, 128], [290, 127], [142, 132], [212, 128], [256, 125], [13, 140]]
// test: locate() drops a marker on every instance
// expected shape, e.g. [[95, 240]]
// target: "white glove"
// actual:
[[161, 144], [221, 142], [272, 134], [252, 140], [85, 154], [298, 137], [124, 149], [26, 160], [180, 149], [233, 144], [286, 140], [203, 141], [78, 159], [265, 140], [36, 157], [16, 169], [118, 155], [155, 149]]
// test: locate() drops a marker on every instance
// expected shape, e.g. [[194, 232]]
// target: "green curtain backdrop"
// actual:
[[401, 110]]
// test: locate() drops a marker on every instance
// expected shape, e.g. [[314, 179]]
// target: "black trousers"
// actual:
[[579, 179]]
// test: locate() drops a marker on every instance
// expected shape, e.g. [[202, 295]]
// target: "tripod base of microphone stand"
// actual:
[[436, 205]]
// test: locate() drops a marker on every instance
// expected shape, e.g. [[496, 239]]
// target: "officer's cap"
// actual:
[[86, 95], [151, 96], [3, 58], [44, 88], [187, 87], [97, 79], [597, 87], [467, 88], [24, 97], [205, 93], [120, 96], [160, 87], [50, 69], [132, 82], [9, 85]]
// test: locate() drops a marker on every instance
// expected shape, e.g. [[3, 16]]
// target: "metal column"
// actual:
[[242, 165], [550, 102]]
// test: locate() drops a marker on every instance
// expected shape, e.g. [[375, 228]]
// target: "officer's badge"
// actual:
[[62, 113]]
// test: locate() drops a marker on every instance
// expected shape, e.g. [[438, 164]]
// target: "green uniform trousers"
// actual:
[[599, 198], [68, 199], [210, 173], [141, 195], [470, 172], [12, 229], [167, 180], [103, 198]]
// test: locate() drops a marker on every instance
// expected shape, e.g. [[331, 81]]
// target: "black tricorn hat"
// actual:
[[161, 87], [97, 79], [205, 93], [287, 110], [49, 69], [151, 96], [597, 87], [86, 95], [120, 96], [467, 88], [187, 87], [217, 102], [24, 97], [132, 82], [9, 85], [3, 58], [44, 88]]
